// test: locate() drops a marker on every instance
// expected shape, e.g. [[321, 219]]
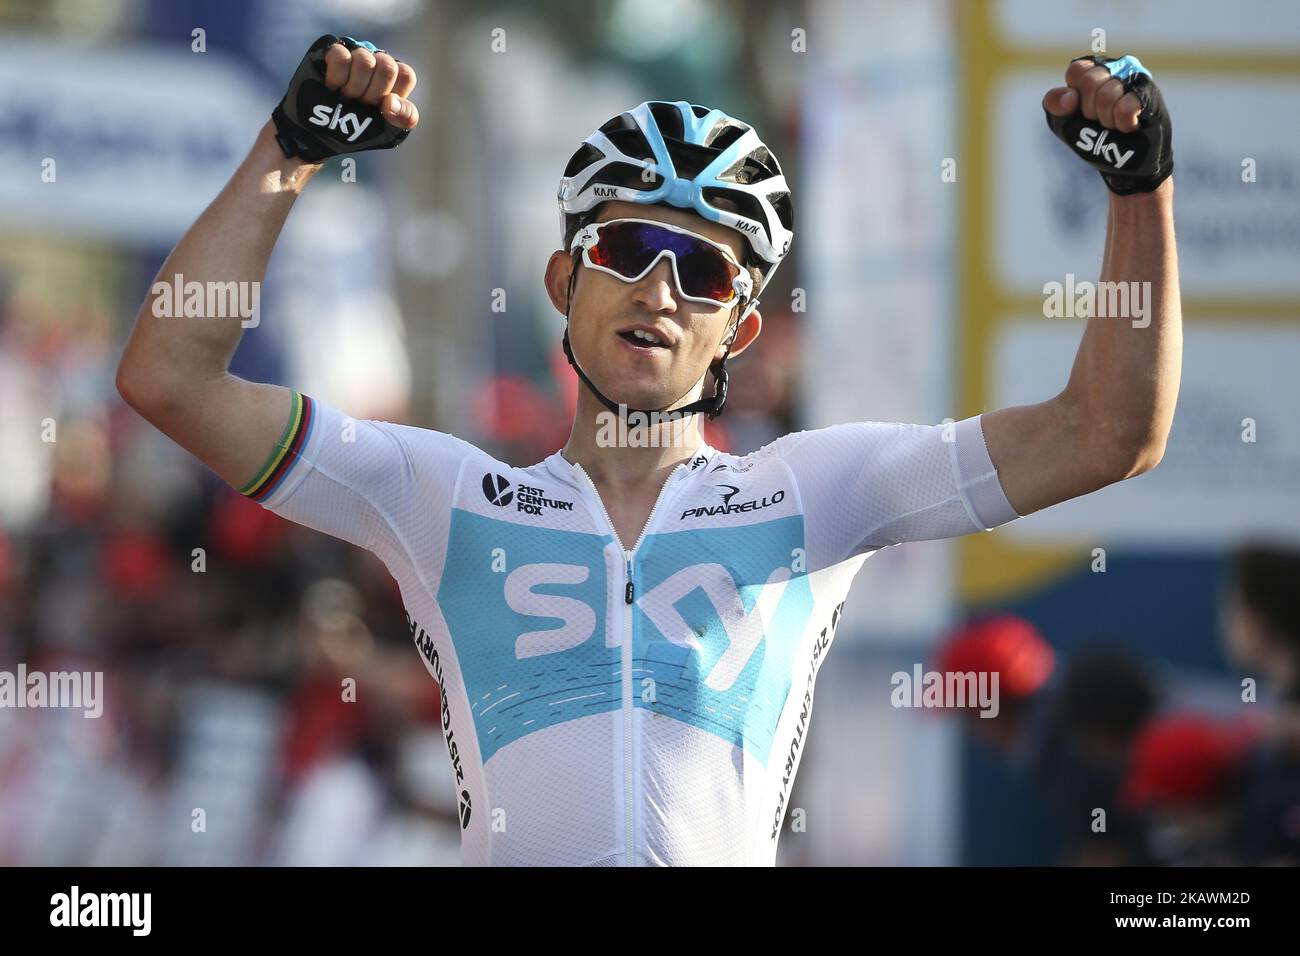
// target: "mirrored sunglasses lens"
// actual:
[[623, 247], [628, 247], [706, 274]]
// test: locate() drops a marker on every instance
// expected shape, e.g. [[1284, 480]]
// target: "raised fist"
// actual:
[[1111, 113], [345, 97]]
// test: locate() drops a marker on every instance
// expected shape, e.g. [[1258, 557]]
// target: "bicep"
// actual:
[[231, 425], [1042, 454]]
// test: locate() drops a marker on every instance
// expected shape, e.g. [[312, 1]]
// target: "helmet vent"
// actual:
[[784, 212], [746, 171], [584, 157], [722, 136], [619, 122], [688, 158], [743, 204], [632, 142], [669, 120]]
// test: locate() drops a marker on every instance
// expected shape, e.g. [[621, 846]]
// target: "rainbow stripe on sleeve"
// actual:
[[302, 417]]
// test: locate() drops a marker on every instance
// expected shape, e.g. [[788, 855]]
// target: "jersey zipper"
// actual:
[[628, 812], [629, 597]]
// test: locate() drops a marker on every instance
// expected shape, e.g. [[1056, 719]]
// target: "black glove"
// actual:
[[1135, 162], [314, 122]]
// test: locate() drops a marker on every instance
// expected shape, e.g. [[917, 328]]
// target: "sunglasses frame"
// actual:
[[588, 236]]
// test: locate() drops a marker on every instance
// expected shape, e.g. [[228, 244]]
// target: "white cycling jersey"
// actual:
[[604, 706]]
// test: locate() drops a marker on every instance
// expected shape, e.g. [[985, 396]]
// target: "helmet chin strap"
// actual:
[[713, 406]]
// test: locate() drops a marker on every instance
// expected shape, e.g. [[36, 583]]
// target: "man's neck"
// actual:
[[620, 454]]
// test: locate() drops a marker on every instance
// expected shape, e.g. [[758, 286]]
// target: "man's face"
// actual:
[[603, 306]]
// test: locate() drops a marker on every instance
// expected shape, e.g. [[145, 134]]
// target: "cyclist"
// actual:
[[627, 633]]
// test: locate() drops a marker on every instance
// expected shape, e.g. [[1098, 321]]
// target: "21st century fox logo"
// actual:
[[499, 491]]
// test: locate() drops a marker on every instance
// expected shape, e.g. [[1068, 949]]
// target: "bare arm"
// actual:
[[174, 370], [1112, 419]]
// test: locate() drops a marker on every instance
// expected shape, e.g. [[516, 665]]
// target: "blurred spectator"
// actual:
[[1105, 698], [1261, 633], [1267, 827], [1070, 728], [1187, 772], [1012, 648], [1261, 613]]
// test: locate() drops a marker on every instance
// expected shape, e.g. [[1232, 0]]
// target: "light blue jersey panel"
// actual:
[[705, 586], [526, 610]]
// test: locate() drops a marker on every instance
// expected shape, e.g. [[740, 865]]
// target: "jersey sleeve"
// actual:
[[868, 485], [383, 487]]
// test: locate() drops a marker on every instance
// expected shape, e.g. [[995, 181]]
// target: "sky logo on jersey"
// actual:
[[716, 625], [527, 607]]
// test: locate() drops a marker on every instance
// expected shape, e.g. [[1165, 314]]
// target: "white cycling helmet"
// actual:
[[686, 156]]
